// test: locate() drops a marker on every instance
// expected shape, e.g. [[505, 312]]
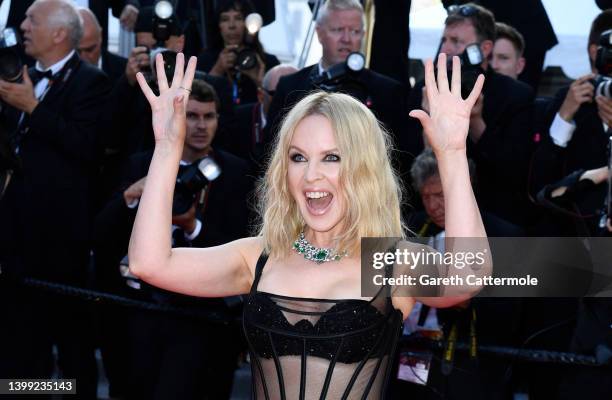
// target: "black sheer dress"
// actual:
[[303, 348]]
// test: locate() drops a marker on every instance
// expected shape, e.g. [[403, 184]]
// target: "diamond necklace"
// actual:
[[318, 255]]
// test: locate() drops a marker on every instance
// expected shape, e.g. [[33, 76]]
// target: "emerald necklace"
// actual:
[[318, 255]]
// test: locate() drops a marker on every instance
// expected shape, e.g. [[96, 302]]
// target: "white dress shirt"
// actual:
[[41, 87]]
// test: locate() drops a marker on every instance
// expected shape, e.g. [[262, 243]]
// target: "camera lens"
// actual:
[[246, 59], [11, 66]]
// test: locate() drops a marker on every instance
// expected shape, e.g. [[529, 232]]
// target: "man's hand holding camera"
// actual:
[[137, 62], [19, 95], [581, 91], [226, 61]]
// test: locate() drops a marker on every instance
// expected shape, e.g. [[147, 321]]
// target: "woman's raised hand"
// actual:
[[446, 126], [169, 120]]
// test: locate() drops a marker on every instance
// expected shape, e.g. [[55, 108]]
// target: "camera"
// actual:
[[344, 77], [162, 23], [471, 60], [190, 180], [247, 57], [603, 63], [11, 65]]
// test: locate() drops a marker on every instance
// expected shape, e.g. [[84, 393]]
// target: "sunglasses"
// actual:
[[464, 10]]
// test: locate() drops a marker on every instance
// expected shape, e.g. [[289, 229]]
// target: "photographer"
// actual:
[[55, 114], [340, 30], [500, 123], [172, 356], [228, 45], [128, 111], [578, 119]]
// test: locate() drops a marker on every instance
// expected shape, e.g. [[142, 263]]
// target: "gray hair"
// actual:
[[66, 15], [425, 166], [339, 5], [87, 13]]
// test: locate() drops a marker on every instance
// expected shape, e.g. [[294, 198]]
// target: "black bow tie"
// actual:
[[37, 75]]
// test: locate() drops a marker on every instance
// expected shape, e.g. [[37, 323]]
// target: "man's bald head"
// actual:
[[51, 29], [91, 43], [270, 81]]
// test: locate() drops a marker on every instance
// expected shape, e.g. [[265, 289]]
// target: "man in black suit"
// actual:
[[340, 31], [531, 20], [54, 113], [174, 357], [90, 48], [500, 123], [577, 136]]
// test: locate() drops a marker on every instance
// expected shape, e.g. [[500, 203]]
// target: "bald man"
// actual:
[[244, 137], [90, 48]]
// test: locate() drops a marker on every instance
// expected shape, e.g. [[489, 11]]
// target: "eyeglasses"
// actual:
[[464, 10]]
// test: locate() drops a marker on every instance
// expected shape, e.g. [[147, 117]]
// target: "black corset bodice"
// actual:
[[303, 348]]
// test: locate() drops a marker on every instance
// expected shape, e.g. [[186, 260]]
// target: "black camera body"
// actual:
[[603, 64], [11, 65], [344, 77], [191, 179], [246, 58], [471, 60]]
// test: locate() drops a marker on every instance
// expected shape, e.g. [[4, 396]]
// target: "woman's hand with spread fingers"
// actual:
[[446, 126], [168, 109]]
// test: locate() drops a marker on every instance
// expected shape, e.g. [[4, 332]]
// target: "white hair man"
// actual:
[[55, 113], [340, 27]]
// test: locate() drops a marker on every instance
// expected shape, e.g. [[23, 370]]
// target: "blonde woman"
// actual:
[[329, 183]]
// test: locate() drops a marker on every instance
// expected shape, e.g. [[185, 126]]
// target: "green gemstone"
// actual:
[[321, 255]]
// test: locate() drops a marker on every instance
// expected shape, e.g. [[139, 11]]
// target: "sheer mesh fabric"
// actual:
[[304, 348]]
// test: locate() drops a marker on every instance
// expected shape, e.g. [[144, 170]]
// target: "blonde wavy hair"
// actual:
[[368, 183]]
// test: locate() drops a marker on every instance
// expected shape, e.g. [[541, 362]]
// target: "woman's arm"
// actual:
[[218, 271], [446, 128]]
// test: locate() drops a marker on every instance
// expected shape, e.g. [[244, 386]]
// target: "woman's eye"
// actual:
[[332, 157], [297, 157]]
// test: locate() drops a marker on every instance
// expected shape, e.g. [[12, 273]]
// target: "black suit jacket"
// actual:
[[587, 149], [386, 98], [503, 151], [50, 196], [113, 65]]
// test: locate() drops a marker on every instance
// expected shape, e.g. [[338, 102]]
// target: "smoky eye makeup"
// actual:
[[332, 157], [296, 157]]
